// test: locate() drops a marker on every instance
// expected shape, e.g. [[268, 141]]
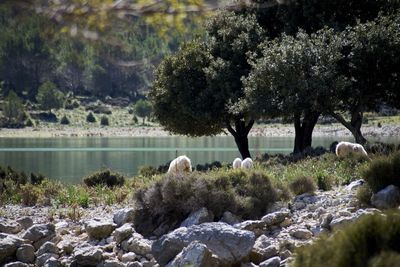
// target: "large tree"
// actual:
[[294, 78], [194, 91]]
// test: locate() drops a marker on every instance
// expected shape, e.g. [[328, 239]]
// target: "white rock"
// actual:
[[303, 234], [123, 216], [200, 216]]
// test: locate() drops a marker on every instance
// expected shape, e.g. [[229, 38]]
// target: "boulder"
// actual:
[[303, 234], [48, 247], [230, 218], [123, 216], [229, 244], [8, 246], [275, 218], [16, 264], [128, 257], [387, 198], [354, 185], [88, 256], [137, 244], [197, 217], [122, 233], [41, 260], [52, 262], [340, 222], [194, 255], [263, 250], [10, 227], [272, 262], [25, 222], [26, 253], [113, 263], [39, 234], [99, 229]]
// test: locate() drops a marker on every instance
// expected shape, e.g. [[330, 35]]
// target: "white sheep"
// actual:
[[180, 165], [247, 163], [237, 163], [343, 149]]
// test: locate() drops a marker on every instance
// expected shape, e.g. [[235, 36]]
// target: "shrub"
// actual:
[[383, 171], [49, 96], [302, 184], [170, 200], [104, 121], [135, 120], [148, 171], [208, 166], [90, 118], [104, 177], [13, 109], [64, 120], [37, 178], [364, 194], [325, 182], [373, 240], [29, 123], [30, 194], [71, 104]]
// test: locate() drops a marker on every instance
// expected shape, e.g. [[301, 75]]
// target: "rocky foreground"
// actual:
[[106, 237]]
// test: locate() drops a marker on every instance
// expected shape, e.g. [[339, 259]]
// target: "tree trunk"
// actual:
[[303, 130], [354, 126], [240, 134]]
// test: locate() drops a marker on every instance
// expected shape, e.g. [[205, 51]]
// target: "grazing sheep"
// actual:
[[343, 149], [237, 163], [247, 163], [180, 165]]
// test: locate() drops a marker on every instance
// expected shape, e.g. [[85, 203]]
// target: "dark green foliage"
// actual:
[[13, 109], [148, 171], [135, 120], [380, 148], [90, 118], [143, 108], [302, 184], [373, 240], [64, 120], [383, 171], [104, 121], [364, 194], [37, 178], [49, 96], [29, 123], [169, 201], [104, 177], [71, 104], [208, 166], [325, 182]]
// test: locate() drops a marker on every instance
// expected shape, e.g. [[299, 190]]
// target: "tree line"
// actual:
[[298, 60]]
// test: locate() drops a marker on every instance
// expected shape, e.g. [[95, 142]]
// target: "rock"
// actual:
[[10, 227], [48, 247], [229, 244], [326, 220], [99, 229], [62, 227], [26, 253], [275, 218], [194, 255], [200, 216], [16, 264], [134, 264], [128, 257], [255, 226], [340, 222], [123, 216], [8, 245], [41, 260], [272, 262], [230, 218], [52, 262], [355, 184], [285, 254], [122, 233], [25, 222], [303, 234], [65, 246], [387, 198], [113, 263], [248, 264], [88, 256], [263, 250], [137, 244], [40, 233]]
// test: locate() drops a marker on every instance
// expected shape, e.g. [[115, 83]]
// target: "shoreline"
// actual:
[[266, 130]]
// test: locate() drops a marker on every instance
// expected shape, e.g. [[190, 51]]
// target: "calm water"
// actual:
[[69, 159]]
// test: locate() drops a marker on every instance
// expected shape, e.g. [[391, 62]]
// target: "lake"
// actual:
[[70, 159]]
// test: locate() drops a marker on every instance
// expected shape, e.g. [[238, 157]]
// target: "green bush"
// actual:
[[364, 194], [302, 184], [170, 200], [373, 240], [325, 182], [64, 120], [90, 118], [49, 96], [383, 171], [104, 177], [148, 171], [29, 123], [104, 121], [135, 120]]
